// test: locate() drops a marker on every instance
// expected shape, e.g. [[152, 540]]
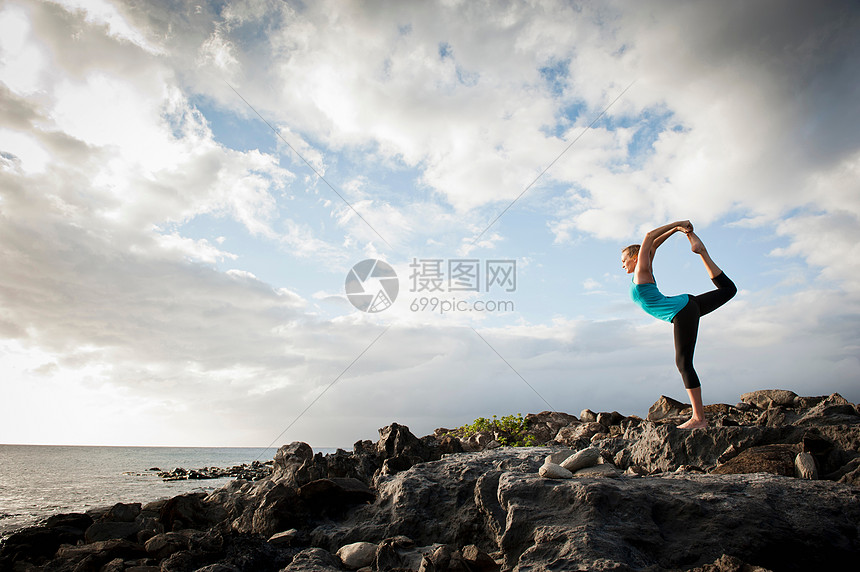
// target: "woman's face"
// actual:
[[628, 263]]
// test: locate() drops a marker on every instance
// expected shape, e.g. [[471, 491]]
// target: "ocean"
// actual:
[[37, 481]]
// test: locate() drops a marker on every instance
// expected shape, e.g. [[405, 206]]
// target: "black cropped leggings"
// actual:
[[686, 324]]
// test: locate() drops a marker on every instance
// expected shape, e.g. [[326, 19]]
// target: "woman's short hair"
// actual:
[[632, 250]]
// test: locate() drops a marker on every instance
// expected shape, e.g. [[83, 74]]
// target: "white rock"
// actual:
[[586, 458], [357, 555], [804, 466], [553, 471]]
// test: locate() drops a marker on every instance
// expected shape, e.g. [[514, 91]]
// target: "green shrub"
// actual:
[[510, 430]]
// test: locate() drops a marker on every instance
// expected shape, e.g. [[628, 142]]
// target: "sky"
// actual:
[[186, 187]]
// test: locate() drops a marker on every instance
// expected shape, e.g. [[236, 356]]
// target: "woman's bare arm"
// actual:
[[644, 274]]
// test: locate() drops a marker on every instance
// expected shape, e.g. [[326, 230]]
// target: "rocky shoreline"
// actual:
[[247, 472], [772, 484]]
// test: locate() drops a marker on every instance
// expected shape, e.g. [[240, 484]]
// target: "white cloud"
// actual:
[[741, 114]]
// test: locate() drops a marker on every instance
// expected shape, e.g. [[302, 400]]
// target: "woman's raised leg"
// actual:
[[699, 248], [726, 289]]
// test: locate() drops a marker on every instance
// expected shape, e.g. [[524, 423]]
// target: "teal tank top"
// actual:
[[649, 298]]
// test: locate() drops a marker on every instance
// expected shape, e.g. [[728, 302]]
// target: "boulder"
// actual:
[[579, 435], [357, 555], [97, 554], [559, 455], [832, 409], [122, 512], [666, 407], [587, 416], [396, 439], [553, 471], [279, 509], [775, 459], [190, 511], [581, 459], [767, 398], [609, 419], [657, 447], [40, 543], [804, 466], [162, 546], [293, 464], [106, 530], [34, 544]]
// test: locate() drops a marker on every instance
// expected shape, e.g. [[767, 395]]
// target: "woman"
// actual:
[[682, 311]]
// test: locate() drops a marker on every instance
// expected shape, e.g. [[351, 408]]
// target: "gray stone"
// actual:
[[357, 555], [804, 466], [553, 471], [585, 458], [766, 398]]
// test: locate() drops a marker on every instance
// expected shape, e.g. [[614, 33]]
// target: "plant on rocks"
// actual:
[[510, 430]]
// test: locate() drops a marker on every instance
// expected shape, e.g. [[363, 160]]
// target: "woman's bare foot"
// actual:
[[696, 243], [694, 424], [698, 247]]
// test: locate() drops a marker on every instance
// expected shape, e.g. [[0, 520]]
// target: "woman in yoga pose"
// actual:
[[682, 311]]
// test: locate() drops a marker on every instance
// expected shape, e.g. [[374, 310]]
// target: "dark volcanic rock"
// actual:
[[667, 522], [724, 498], [666, 407], [332, 497], [314, 560], [293, 464], [774, 459], [191, 511]]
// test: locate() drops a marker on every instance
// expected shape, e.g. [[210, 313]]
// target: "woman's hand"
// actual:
[[686, 227]]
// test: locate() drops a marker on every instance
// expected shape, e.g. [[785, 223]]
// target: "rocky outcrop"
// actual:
[[772, 484], [248, 472]]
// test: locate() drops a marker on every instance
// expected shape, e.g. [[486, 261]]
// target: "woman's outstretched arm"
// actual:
[[644, 273]]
